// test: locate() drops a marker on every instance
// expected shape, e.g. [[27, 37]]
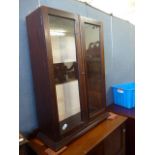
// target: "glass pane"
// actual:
[[93, 67], [63, 39], [65, 71]]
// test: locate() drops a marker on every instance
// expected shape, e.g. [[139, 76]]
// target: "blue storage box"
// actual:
[[124, 94]]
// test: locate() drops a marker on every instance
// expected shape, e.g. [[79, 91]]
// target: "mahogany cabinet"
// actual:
[[114, 144], [67, 58], [130, 126]]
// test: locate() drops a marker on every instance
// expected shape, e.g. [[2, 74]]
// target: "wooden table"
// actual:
[[87, 142], [130, 126]]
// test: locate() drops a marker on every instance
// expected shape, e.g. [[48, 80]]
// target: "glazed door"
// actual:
[[63, 32], [94, 65]]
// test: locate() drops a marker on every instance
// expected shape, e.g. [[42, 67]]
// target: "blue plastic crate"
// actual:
[[124, 94]]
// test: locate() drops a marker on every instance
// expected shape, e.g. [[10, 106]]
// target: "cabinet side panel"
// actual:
[[39, 63]]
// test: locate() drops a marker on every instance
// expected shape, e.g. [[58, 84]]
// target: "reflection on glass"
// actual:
[[68, 99], [65, 72], [93, 65], [65, 69], [63, 39]]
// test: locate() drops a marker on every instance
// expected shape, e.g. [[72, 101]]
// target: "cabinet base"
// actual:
[[68, 139]]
